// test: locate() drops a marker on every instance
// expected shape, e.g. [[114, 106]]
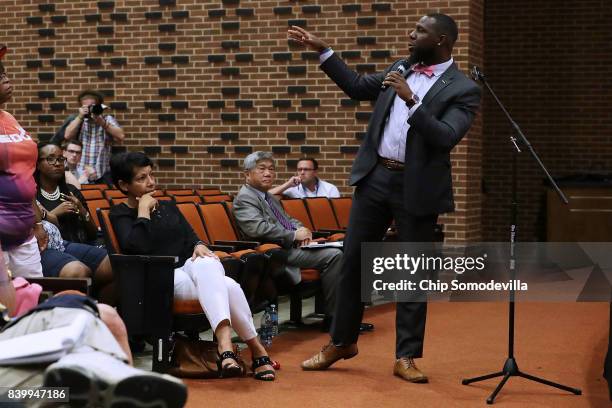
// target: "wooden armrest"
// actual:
[[239, 244], [224, 248], [56, 285], [334, 231], [143, 258], [146, 292]]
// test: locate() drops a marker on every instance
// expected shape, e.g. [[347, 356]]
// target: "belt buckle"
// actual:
[[391, 164]]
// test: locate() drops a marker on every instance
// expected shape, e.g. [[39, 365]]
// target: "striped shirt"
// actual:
[[96, 146]]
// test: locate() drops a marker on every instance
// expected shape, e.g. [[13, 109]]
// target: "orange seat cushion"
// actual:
[[222, 255], [266, 247], [336, 237], [191, 306], [310, 275], [239, 254]]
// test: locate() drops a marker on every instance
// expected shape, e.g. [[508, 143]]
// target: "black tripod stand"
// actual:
[[510, 368]]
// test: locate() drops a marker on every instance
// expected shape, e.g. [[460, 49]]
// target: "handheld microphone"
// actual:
[[476, 73], [401, 68]]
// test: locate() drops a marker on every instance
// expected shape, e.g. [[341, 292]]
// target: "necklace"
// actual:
[[51, 196]]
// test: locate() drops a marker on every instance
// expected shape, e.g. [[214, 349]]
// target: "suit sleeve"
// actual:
[[356, 86], [446, 132], [254, 224]]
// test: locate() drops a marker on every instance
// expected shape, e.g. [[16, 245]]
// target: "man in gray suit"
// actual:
[[260, 217], [402, 171]]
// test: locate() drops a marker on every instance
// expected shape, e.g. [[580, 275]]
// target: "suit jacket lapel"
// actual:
[[262, 203], [446, 78]]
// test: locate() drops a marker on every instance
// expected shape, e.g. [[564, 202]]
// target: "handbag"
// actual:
[[196, 358], [26, 295]]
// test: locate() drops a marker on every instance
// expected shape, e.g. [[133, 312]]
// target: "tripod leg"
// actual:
[[551, 384], [481, 378], [491, 398]]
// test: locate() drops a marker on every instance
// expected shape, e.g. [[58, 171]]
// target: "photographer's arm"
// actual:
[[111, 127], [115, 131], [73, 129]]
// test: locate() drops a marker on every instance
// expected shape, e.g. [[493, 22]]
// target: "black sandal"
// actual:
[[230, 369], [263, 375]]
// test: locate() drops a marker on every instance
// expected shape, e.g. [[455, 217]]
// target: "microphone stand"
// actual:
[[510, 368]]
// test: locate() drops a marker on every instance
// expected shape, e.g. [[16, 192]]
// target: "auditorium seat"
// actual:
[[296, 208], [208, 191], [180, 192], [146, 297], [110, 194], [99, 186], [187, 198], [342, 209], [92, 194], [247, 266], [216, 198], [309, 286], [322, 215], [93, 205]]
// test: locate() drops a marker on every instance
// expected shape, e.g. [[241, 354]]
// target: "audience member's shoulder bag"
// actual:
[[196, 358]]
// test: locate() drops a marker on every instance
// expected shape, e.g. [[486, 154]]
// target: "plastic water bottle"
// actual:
[[265, 330], [274, 318]]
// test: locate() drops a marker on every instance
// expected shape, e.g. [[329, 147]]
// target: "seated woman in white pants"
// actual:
[[145, 226]]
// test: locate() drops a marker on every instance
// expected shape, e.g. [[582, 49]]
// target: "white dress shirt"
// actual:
[[322, 189], [393, 142]]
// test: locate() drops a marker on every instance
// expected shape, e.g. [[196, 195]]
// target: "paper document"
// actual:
[[319, 245], [44, 346]]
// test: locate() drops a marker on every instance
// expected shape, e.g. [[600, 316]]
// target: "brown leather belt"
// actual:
[[391, 164]]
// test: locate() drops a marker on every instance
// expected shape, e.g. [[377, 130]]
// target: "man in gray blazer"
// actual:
[[402, 171], [260, 217]]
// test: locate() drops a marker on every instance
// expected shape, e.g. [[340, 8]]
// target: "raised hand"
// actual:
[[201, 251], [147, 203], [395, 80], [83, 111], [306, 39], [66, 207], [303, 236]]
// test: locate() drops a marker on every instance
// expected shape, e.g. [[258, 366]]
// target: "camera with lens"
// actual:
[[96, 109]]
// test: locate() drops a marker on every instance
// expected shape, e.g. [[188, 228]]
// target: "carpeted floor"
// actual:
[[560, 342]]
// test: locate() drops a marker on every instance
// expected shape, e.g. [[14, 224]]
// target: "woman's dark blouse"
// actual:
[[71, 225], [166, 233]]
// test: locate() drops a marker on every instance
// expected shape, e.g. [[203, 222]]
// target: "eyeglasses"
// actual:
[[54, 160]]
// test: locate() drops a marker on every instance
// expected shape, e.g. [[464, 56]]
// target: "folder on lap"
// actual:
[[320, 245]]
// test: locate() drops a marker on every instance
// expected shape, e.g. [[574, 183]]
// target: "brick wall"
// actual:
[[198, 85], [550, 63]]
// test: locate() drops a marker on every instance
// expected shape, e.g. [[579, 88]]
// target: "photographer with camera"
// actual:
[[96, 131]]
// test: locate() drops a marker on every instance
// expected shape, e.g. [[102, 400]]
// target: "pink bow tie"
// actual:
[[423, 69]]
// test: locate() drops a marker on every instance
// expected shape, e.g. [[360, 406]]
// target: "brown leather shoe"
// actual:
[[328, 355], [407, 370]]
